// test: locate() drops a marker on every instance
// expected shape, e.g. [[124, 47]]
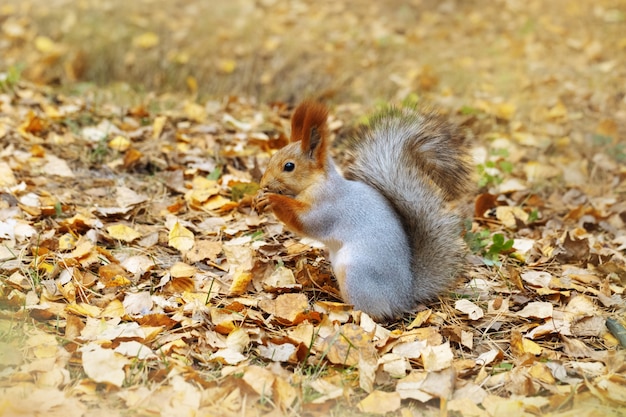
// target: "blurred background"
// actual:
[[537, 51]]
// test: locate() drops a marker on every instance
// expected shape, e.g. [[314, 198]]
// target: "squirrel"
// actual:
[[392, 239]]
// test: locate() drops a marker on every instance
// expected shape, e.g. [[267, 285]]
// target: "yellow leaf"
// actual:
[[259, 379], [157, 126], [380, 402], [508, 215], [181, 238], [227, 66], [420, 318], [118, 281], [46, 45], [67, 242], [505, 110], [114, 309], [181, 269], [216, 202], [146, 40], [119, 143], [201, 191], [607, 127], [123, 233], [7, 178], [240, 283], [558, 111], [195, 112], [192, 84], [84, 247], [83, 309], [238, 340], [349, 345], [43, 345], [541, 372], [530, 347]]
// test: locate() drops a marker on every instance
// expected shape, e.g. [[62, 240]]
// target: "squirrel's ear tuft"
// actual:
[[308, 124]]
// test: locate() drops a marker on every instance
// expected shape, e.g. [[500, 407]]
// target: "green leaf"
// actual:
[[215, 174], [243, 188]]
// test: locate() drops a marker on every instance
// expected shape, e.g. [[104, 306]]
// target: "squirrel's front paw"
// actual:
[[262, 201]]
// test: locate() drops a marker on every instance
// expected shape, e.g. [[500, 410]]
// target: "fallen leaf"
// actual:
[[146, 40], [380, 402], [537, 309], [472, 310], [437, 358], [181, 238], [103, 365]]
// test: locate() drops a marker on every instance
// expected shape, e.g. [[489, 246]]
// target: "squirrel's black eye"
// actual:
[[289, 166]]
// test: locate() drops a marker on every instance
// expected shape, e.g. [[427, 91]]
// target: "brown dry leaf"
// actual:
[[466, 407], [510, 215], [204, 249], [409, 387], [286, 307], [395, 365], [181, 269], [84, 247], [103, 365], [57, 166], [472, 310], [537, 310], [236, 342], [84, 310], [42, 345], [420, 318], [202, 190], [139, 303], [138, 264], [27, 399], [261, 380], [284, 393], [7, 178], [437, 358], [285, 352], [113, 275], [240, 283], [71, 171], [537, 278], [127, 198], [440, 384], [281, 279], [380, 402], [348, 344], [134, 349], [368, 365]]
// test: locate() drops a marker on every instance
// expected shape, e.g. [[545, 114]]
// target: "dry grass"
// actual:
[[287, 50]]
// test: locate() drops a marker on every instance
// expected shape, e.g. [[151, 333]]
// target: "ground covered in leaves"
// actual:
[[135, 278]]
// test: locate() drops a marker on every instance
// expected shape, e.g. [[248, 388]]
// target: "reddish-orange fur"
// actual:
[[288, 210], [308, 125], [287, 193]]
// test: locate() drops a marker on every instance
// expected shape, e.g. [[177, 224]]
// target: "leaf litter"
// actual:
[[135, 275]]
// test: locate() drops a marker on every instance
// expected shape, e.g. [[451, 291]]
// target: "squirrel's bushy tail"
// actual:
[[418, 161]]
